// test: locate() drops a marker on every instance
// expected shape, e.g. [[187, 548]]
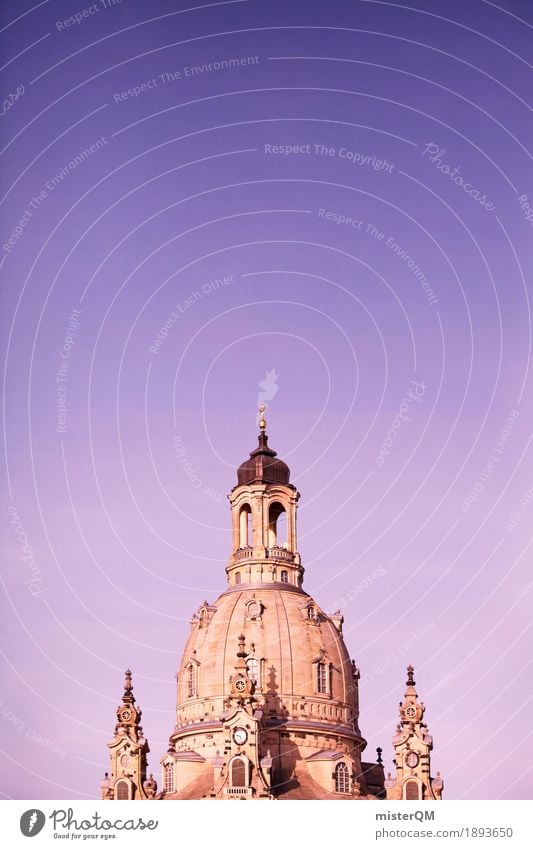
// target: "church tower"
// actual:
[[412, 745], [263, 512], [267, 693], [128, 750]]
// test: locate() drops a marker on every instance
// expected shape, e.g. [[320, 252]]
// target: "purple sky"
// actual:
[[360, 187]]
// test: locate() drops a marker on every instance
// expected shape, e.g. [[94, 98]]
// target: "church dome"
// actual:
[[295, 655], [263, 466], [287, 657], [267, 695]]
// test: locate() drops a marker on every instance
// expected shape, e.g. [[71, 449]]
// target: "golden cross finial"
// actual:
[[262, 420]]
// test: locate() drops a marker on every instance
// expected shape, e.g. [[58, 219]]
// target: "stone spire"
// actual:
[[128, 686], [128, 715], [242, 687], [412, 745], [128, 752]]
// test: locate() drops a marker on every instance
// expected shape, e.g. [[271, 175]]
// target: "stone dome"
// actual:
[[305, 688], [267, 703], [267, 695], [286, 630], [263, 466]]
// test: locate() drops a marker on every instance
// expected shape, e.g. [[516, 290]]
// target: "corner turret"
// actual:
[[412, 745], [128, 752]]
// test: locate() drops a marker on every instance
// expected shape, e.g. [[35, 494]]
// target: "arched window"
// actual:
[[122, 791], [168, 778], [277, 525], [237, 577], [245, 526], [191, 680], [342, 778], [321, 678], [238, 773], [252, 668], [411, 790], [284, 576]]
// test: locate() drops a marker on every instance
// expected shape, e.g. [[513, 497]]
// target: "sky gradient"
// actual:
[[326, 206]]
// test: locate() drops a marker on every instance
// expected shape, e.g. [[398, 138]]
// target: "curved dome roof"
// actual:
[[263, 466], [289, 639]]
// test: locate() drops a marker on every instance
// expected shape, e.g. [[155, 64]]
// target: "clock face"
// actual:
[[124, 761], [410, 711], [125, 715], [411, 759], [240, 685], [240, 735]]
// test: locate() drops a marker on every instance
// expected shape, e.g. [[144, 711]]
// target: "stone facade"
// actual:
[[267, 701], [128, 750], [413, 744]]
